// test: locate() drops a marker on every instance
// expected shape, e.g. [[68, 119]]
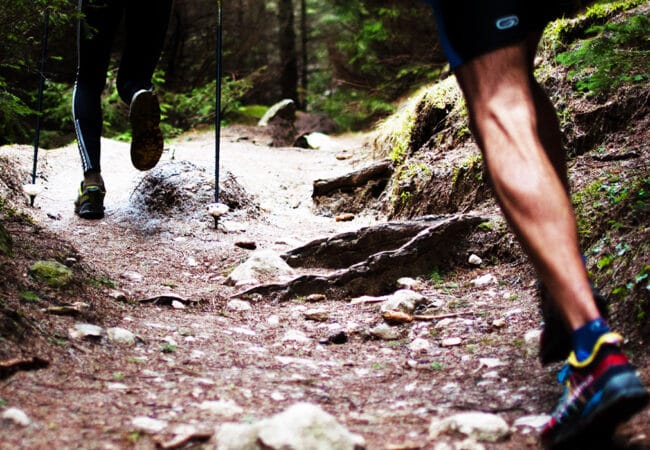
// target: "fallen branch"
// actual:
[[380, 170], [426, 317], [8, 368]]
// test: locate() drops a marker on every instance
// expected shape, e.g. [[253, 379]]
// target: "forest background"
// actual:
[[347, 59]]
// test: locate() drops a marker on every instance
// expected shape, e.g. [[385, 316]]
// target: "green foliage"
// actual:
[[167, 348], [352, 109], [253, 112], [562, 32], [618, 54], [29, 296], [57, 113], [436, 276], [21, 28], [626, 198]]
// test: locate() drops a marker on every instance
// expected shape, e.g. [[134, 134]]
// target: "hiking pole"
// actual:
[[217, 209], [32, 190]]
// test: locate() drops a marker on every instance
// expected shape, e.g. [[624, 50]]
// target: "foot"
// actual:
[[555, 342], [600, 393], [147, 139], [90, 201]]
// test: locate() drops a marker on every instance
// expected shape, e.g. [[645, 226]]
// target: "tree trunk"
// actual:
[[304, 81], [288, 55]]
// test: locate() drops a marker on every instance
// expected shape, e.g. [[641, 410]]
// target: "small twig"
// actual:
[[442, 316]]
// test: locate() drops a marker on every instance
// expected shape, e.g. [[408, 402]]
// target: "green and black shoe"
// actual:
[[90, 202], [146, 137]]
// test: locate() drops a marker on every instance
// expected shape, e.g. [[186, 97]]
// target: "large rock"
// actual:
[[302, 426], [53, 273], [263, 264], [280, 118]]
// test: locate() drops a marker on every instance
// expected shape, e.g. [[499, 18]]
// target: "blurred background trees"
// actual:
[[347, 59]]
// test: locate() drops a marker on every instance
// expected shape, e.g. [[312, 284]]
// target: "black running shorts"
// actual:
[[469, 28]]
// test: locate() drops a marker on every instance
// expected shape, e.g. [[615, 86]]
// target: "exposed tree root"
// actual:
[[378, 255]]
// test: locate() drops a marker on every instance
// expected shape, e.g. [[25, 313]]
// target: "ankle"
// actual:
[[93, 179], [585, 337]]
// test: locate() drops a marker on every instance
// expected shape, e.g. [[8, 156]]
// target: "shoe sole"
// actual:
[[147, 140], [623, 397]]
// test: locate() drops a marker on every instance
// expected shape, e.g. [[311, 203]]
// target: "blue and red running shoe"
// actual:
[[600, 393]]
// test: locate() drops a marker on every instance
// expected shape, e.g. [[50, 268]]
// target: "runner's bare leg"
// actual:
[[510, 120]]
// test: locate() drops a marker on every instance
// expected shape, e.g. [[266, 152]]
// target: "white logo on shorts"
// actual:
[[506, 22]]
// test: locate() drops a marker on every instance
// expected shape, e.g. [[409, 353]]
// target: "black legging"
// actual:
[[146, 25]]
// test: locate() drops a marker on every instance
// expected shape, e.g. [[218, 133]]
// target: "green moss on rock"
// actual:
[[53, 273]]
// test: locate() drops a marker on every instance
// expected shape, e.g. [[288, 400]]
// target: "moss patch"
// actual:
[[53, 273]]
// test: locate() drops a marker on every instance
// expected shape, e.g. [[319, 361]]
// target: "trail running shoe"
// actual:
[[90, 202], [600, 393], [555, 342], [146, 137]]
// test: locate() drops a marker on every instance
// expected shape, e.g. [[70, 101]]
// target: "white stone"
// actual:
[[148, 424], [484, 280], [178, 305], [244, 331], [295, 336], [536, 422], [420, 345], [278, 396], [132, 276], [403, 300], [85, 330], [451, 342], [223, 408], [273, 321], [17, 416], [476, 425], [236, 436], [306, 426], [490, 363], [263, 263], [239, 305], [532, 341], [408, 283], [120, 336], [493, 374], [320, 141], [475, 260], [386, 332], [317, 314]]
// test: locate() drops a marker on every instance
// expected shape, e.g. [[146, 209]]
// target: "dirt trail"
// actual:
[[269, 357]]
